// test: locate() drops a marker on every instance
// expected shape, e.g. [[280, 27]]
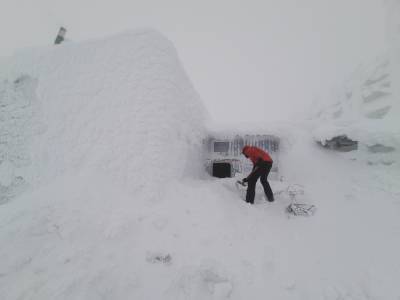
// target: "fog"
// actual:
[[249, 60]]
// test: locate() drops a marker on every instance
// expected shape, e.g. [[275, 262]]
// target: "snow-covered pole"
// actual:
[[60, 36]]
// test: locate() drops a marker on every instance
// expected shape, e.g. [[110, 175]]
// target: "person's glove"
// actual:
[[245, 180]]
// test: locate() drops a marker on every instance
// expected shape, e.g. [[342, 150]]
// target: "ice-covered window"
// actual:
[[221, 147]]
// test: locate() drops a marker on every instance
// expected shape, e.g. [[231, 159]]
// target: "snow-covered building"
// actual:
[[100, 146], [363, 115], [224, 152], [98, 105]]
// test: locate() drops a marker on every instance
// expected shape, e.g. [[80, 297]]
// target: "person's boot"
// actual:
[[270, 199]]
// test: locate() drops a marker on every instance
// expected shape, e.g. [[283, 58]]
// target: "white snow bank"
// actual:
[[121, 106]]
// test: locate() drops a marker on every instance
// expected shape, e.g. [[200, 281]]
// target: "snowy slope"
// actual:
[[104, 136]]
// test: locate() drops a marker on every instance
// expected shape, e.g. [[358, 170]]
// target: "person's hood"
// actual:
[[245, 149]]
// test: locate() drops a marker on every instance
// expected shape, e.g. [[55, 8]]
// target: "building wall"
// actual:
[[223, 148]]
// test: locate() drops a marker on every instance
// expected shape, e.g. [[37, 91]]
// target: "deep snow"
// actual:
[[105, 198]]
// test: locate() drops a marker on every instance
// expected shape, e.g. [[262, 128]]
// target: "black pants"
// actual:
[[261, 171]]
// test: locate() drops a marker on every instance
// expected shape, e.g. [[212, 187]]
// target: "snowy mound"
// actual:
[[365, 110], [122, 107]]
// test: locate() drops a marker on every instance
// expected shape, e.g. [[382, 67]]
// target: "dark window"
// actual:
[[222, 169]]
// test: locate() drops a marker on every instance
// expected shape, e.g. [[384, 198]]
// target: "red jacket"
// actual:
[[256, 154]]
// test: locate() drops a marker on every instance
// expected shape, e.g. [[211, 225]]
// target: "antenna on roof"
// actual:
[[60, 36]]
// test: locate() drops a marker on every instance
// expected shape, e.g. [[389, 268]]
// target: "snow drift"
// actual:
[[122, 107]]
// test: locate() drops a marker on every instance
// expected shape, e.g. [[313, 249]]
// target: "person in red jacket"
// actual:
[[262, 164]]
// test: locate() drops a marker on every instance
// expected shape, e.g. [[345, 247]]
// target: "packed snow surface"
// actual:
[[102, 194]]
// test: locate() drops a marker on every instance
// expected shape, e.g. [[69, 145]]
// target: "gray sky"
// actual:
[[249, 60]]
